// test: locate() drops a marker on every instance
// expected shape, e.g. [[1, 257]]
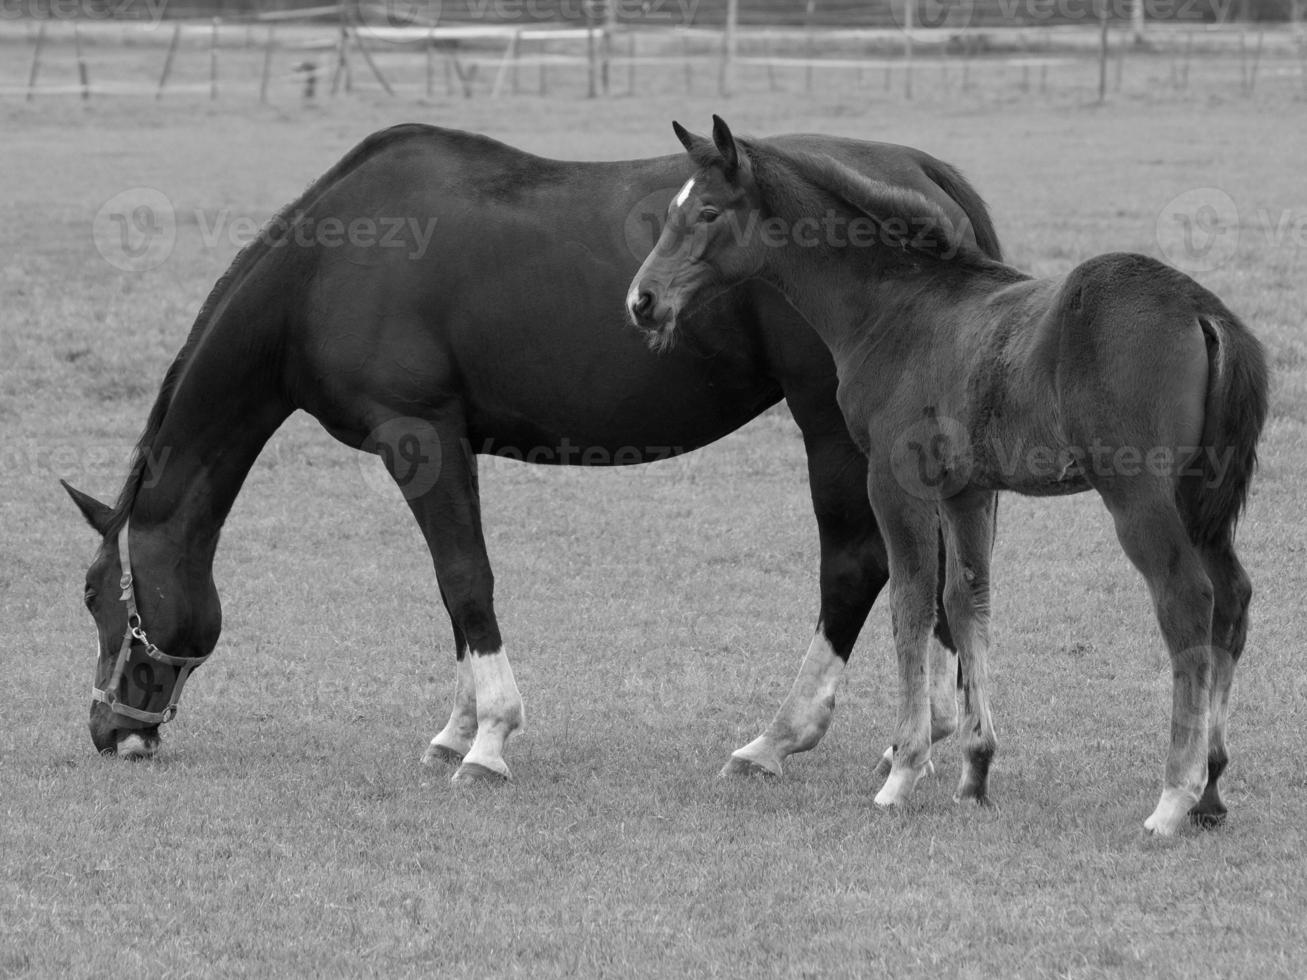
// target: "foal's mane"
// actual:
[[787, 179], [273, 232]]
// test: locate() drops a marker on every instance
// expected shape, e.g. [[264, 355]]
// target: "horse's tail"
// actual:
[[1215, 488], [952, 183]]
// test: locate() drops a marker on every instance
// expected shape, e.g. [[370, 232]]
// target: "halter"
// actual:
[[135, 635]]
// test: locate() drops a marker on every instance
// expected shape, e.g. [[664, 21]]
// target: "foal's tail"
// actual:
[[1213, 492]]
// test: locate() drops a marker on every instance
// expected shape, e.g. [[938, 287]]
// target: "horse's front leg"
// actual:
[[454, 741], [433, 464], [911, 529]]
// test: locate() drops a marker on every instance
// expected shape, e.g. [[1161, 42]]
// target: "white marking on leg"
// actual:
[[902, 781], [683, 194], [803, 716], [499, 711], [1172, 810], [455, 739], [943, 706], [886, 764]]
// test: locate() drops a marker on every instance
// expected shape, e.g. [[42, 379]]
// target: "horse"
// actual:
[[434, 296], [959, 377]]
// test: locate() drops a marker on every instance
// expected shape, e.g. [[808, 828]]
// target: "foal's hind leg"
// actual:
[[1153, 536], [1232, 592]]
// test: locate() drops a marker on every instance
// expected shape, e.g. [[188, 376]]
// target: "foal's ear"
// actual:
[[688, 139], [96, 513], [725, 142]]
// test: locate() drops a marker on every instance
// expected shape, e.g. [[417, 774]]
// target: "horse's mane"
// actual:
[[274, 230], [905, 217]]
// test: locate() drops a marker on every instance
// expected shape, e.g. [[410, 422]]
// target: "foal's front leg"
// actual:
[[968, 521], [910, 526]]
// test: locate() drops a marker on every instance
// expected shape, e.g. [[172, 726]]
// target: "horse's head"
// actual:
[[147, 596], [713, 238]]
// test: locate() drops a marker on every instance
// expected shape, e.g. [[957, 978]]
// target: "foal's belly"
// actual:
[[1029, 465]]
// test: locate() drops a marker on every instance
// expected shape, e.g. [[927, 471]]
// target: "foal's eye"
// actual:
[[709, 215], [89, 598]]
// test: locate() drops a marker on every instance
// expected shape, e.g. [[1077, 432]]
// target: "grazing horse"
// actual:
[[960, 376], [438, 295]]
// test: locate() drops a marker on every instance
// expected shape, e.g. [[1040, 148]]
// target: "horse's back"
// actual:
[[500, 292]]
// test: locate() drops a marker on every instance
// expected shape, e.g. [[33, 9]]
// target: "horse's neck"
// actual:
[[227, 403]]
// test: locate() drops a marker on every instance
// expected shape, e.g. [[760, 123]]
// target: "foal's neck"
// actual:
[[850, 295]]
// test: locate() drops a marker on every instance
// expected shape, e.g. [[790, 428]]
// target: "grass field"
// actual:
[[655, 617]]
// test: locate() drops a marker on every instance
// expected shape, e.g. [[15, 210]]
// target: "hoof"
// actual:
[[470, 773], [978, 798], [885, 764], [899, 787], [441, 754], [738, 766], [1207, 819]]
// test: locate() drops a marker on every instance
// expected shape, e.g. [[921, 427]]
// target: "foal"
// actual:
[[959, 377]]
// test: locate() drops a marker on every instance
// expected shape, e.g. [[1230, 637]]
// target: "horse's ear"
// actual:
[[687, 138], [725, 142], [96, 513]]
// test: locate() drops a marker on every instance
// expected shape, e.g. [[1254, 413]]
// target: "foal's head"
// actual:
[[710, 241], [751, 209]]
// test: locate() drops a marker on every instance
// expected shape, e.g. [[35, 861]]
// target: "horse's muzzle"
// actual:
[[111, 739]]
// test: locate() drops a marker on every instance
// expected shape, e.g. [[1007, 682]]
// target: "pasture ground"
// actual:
[[655, 617]]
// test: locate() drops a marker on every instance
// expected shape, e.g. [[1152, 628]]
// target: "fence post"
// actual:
[[167, 61], [431, 64], [267, 67], [36, 61], [909, 21], [727, 80], [592, 88], [1102, 52], [82, 74], [213, 59]]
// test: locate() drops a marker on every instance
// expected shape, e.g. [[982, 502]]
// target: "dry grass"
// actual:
[[655, 617]]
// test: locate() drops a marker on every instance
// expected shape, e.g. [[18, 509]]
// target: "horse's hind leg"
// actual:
[[1150, 530], [853, 571], [1232, 591], [487, 705]]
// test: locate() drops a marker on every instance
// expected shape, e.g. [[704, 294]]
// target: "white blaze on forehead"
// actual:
[[683, 194]]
